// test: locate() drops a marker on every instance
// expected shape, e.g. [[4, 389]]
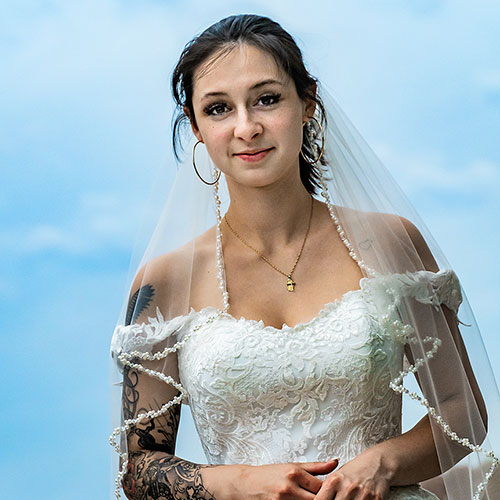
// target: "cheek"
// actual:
[[289, 130], [216, 140], [288, 123]]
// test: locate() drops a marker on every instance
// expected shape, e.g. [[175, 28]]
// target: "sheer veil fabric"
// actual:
[[382, 232]]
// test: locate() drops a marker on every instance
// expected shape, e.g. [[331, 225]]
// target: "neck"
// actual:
[[269, 217]]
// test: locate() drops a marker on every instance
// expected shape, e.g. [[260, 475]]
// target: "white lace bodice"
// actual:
[[264, 395], [315, 391]]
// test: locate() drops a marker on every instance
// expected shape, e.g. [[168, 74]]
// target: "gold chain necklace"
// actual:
[[290, 284]]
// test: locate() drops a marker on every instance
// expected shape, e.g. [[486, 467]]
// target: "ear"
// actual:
[[192, 121], [309, 106]]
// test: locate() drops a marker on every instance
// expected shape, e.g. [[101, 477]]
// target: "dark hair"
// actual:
[[266, 35]]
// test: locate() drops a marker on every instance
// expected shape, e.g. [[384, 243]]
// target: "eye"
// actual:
[[216, 109], [270, 99]]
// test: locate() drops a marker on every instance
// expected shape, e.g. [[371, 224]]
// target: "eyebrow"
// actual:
[[253, 87]]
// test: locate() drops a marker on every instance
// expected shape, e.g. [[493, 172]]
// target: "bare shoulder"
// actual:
[[168, 268], [420, 245], [164, 281], [397, 226]]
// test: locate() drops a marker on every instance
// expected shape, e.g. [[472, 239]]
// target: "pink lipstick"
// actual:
[[257, 156]]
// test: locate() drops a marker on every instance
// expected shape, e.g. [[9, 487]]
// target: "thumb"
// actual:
[[319, 467]]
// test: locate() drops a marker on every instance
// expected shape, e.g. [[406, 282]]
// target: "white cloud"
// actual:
[[489, 80], [426, 170], [101, 222], [42, 237], [111, 218]]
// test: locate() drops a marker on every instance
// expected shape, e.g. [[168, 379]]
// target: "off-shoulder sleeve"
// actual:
[[143, 337], [427, 287], [436, 288]]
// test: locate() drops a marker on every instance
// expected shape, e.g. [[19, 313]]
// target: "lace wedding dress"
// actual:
[[314, 391]]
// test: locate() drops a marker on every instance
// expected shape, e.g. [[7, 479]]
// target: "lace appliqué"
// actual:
[[315, 391]]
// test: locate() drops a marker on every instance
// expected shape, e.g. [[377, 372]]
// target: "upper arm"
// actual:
[[453, 349], [142, 392], [420, 245]]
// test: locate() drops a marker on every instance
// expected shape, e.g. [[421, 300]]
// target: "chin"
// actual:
[[256, 177], [260, 174]]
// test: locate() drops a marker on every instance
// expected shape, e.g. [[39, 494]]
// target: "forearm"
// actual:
[[158, 475], [409, 458], [412, 457]]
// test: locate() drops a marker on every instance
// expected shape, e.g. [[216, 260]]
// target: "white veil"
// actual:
[[419, 298]]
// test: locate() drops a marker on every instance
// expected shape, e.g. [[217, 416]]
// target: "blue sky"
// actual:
[[86, 108]]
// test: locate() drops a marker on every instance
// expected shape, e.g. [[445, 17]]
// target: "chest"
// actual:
[[343, 350], [259, 287]]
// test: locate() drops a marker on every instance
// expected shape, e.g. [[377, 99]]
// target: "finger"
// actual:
[[319, 467], [290, 488], [326, 493], [298, 477], [329, 490], [308, 482], [298, 493], [351, 491]]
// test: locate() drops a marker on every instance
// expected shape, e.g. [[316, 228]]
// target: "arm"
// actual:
[[153, 470], [451, 388], [412, 457], [455, 393]]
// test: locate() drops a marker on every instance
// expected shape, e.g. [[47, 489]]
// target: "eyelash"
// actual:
[[208, 110]]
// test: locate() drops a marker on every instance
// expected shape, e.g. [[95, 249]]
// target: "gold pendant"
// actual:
[[290, 284]]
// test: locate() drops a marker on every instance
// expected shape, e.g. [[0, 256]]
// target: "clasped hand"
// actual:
[[362, 478]]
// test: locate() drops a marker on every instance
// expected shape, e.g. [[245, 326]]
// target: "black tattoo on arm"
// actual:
[[139, 302], [160, 476], [130, 395], [165, 436], [154, 472]]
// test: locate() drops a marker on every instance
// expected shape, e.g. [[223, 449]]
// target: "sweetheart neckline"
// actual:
[[219, 314], [326, 309]]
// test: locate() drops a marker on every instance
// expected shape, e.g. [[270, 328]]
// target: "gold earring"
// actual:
[[322, 144], [198, 174]]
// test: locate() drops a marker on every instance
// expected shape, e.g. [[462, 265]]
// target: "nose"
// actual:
[[247, 127]]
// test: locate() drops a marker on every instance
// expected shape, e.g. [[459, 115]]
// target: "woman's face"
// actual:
[[249, 116]]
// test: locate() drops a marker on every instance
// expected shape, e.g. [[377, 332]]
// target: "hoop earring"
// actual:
[[198, 174], [322, 144]]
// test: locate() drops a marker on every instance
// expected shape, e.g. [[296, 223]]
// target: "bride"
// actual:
[[288, 322]]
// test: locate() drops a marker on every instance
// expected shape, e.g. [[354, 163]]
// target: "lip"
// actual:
[[253, 154]]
